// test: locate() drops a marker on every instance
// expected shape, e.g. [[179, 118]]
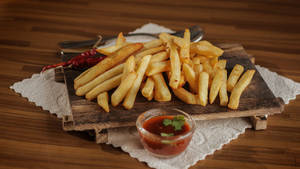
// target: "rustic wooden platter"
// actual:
[[256, 100]]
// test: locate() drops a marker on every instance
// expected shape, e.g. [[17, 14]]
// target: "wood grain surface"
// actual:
[[30, 31]]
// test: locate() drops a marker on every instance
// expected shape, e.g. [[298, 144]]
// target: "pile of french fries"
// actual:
[[192, 70]]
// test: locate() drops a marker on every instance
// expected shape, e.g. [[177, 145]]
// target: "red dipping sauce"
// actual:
[[164, 146]]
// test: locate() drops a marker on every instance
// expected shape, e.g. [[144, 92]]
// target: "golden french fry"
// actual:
[[221, 64], [175, 67], [202, 58], [214, 61], [223, 90], [129, 66], [178, 41], [102, 100], [104, 87], [182, 80], [120, 42], [131, 95], [234, 76], [206, 48], [203, 88], [108, 63], [120, 39], [196, 60], [215, 85], [148, 88], [159, 57], [239, 88], [82, 74], [207, 68], [158, 67], [198, 68], [123, 88], [98, 80], [185, 49], [161, 90], [150, 51], [185, 95], [165, 37], [152, 44], [190, 76]]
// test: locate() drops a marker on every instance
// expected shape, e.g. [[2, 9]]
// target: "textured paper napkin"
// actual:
[[209, 135]]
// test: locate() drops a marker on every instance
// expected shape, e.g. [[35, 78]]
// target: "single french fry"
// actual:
[[99, 79], [239, 88], [214, 61], [104, 87], [198, 68], [129, 66], [207, 68], [159, 57], [190, 77], [221, 64], [234, 76], [120, 39], [148, 88], [185, 96], [165, 37], [203, 88], [182, 80], [223, 90], [150, 51], [158, 67], [206, 48], [175, 67], [185, 49], [102, 100], [215, 86], [131, 95], [108, 63], [161, 90], [153, 44], [123, 88], [120, 42]]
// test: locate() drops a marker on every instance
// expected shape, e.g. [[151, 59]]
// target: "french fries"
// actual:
[[239, 88], [148, 89], [207, 49], [234, 76], [185, 95], [159, 57], [130, 68], [175, 67], [131, 95], [108, 63], [151, 51], [203, 88], [152, 44], [81, 91], [123, 88], [121, 41], [215, 85], [102, 100], [190, 77], [104, 87], [223, 90], [158, 67], [161, 91]]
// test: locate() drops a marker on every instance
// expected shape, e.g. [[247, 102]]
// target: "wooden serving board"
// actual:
[[256, 100]]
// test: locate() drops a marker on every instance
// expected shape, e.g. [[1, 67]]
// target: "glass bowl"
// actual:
[[162, 145]]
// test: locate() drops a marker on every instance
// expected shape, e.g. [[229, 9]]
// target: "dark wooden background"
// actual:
[[30, 31]]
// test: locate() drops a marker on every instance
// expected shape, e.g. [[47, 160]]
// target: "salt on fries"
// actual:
[[194, 73]]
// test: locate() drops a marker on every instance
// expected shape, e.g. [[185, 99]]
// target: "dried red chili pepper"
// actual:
[[84, 60]]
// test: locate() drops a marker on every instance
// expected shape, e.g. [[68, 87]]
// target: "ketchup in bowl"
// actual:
[[165, 132]]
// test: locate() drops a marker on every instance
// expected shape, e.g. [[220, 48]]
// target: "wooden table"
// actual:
[[30, 31]]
